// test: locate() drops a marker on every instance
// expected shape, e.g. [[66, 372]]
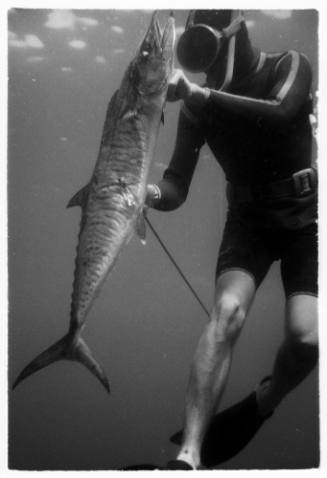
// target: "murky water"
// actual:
[[63, 68]]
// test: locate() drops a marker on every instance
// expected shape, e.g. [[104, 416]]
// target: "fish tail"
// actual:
[[70, 347]]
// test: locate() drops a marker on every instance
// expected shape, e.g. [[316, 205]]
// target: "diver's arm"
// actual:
[[167, 195], [180, 88], [291, 87], [172, 190]]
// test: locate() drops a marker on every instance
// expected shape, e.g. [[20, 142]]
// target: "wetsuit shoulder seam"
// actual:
[[291, 53], [261, 62], [289, 81]]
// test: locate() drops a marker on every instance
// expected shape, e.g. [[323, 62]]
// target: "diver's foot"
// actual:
[[178, 465], [230, 431]]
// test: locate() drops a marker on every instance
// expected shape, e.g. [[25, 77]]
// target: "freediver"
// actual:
[[253, 112]]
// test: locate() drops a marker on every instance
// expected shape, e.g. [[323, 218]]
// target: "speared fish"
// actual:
[[112, 202]]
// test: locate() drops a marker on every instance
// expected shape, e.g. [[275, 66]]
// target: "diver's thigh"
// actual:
[[238, 284], [299, 263]]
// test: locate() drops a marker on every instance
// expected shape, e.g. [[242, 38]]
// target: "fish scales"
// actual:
[[110, 209]]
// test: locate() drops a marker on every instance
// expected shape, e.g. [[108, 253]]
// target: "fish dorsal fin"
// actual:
[[140, 227], [80, 198]]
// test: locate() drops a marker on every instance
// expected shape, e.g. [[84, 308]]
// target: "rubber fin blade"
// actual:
[[69, 347], [80, 198]]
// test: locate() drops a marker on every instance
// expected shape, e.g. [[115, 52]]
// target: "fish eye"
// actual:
[[145, 53]]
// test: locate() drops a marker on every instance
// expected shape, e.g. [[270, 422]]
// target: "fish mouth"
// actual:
[[151, 44], [155, 55]]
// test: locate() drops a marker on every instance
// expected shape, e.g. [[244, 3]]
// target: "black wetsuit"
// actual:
[[260, 133]]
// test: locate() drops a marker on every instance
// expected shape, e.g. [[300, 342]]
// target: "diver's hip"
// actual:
[[290, 203]]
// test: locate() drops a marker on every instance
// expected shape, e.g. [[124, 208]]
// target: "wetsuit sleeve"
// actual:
[[177, 178], [290, 88]]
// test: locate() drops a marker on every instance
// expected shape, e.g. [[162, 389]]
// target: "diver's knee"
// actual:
[[303, 331], [304, 346], [227, 318], [306, 339], [302, 320]]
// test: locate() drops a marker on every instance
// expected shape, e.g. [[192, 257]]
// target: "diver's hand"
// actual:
[[180, 88], [153, 195]]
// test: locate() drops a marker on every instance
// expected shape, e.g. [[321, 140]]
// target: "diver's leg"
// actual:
[[297, 355], [235, 290]]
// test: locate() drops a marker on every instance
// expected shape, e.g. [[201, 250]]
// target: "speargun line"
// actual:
[[177, 266]]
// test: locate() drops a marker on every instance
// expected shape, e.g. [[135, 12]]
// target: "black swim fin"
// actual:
[[229, 432]]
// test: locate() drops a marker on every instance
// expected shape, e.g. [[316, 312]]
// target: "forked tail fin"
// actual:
[[70, 347]]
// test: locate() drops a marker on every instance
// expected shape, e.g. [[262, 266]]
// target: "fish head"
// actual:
[[154, 60]]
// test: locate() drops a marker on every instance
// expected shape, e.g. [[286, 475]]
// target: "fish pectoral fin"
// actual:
[[162, 118], [80, 198], [140, 227]]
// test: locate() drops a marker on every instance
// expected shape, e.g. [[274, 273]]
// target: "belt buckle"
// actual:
[[304, 182]]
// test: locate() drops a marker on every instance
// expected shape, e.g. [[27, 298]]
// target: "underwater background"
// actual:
[[64, 65]]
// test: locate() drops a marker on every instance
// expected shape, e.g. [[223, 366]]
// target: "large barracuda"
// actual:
[[113, 200]]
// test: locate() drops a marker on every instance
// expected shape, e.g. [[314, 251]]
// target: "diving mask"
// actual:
[[200, 44]]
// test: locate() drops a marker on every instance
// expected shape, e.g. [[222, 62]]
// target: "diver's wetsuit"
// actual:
[[261, 135]]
